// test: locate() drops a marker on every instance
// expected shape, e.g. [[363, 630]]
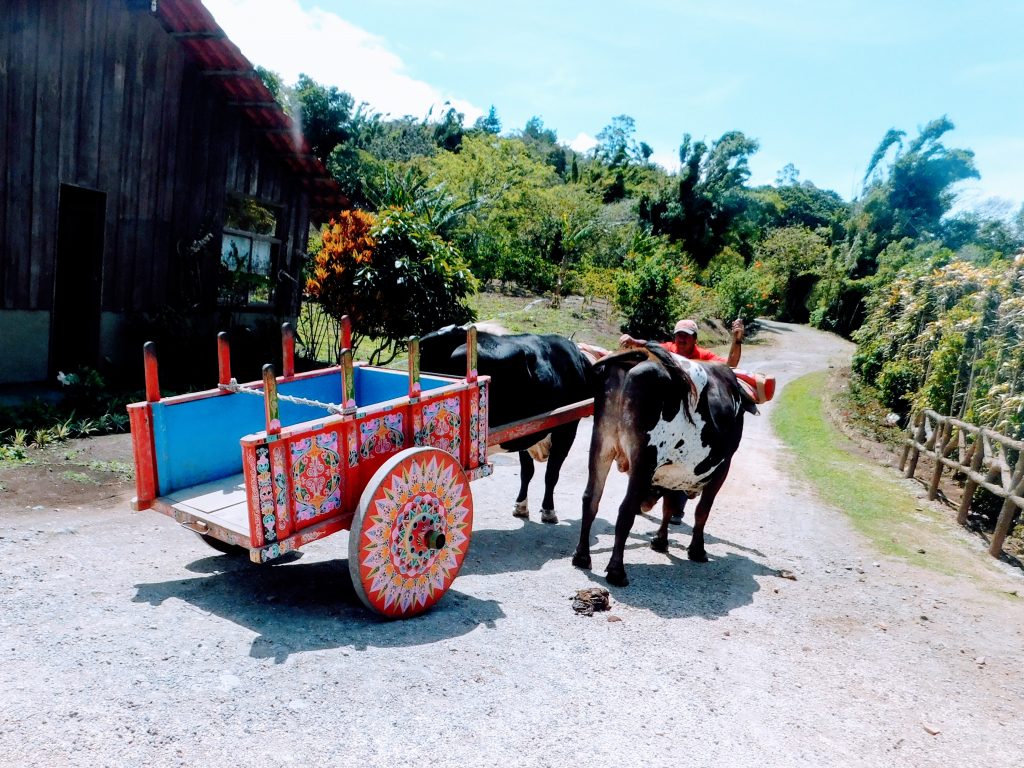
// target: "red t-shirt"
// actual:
[[699, 353]]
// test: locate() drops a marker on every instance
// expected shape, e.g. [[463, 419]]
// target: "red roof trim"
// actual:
[[221, 60]]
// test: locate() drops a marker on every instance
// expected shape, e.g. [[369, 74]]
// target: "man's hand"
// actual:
[[627, 342], [737, 330]]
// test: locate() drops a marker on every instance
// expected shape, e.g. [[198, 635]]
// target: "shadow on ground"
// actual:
[[296, 607]]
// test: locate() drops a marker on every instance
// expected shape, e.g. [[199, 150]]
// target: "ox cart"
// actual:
[[272, 465]]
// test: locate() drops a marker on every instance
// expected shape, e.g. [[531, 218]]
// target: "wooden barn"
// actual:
[[145, 169]]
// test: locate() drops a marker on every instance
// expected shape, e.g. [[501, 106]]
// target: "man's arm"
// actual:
[[737, 341], [627, 342]]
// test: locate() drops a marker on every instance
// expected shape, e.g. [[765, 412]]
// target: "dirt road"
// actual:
[[127, 642]]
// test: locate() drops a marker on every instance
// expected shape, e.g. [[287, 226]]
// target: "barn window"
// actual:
[[248, 253]]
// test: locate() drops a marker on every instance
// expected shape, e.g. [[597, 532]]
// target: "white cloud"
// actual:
[[583, 143], [281, 36], [667, 160]]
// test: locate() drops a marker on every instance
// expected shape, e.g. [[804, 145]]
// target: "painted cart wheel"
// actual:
[[410, 532]]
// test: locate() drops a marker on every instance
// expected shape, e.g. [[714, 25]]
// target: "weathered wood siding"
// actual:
[[96, 93]]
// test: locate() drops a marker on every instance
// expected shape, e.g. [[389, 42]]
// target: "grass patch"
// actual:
[[120, 468], [78, 477], [879, 507]]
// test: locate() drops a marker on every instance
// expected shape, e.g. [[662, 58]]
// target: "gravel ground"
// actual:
[[128, 642]]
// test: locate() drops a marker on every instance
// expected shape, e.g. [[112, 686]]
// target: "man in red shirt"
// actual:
[[684, 343]]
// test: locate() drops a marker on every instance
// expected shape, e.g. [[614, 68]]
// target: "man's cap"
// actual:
[[686, 326]]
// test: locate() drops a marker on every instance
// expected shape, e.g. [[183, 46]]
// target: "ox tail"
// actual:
[[657, 353]]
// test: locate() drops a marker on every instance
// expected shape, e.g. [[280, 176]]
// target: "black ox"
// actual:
[[530, 374], [673, 424]]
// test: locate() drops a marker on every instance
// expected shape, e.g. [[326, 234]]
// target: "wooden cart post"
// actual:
[[140, 417], [223, 359], [345, 333], [471, 372], [348, 383], [414, 368], [152, 375], [270, 404], [287, 350]]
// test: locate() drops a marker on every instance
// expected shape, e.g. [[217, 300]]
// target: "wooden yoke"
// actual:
[[223, 358], [270, 403], [287, 350]]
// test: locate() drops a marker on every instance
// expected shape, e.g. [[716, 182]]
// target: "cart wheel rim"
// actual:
[[410, 533]]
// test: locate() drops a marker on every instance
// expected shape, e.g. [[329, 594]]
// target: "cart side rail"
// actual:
[[310, 476], [541, 422]]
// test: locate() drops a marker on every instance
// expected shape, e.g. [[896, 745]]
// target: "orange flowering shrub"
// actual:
[[391, 274], [347, 244]]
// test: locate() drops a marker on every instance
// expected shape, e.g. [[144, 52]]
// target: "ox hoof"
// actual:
[[697, 555], [548, 516], [521, 510], [617, 577], [581, 561], [659, 544]]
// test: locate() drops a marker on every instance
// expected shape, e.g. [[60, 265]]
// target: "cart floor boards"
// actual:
[[221, 502]]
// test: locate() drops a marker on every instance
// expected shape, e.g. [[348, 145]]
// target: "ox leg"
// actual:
[[522, 508], [660, 541], [673, 505], [707, 497], [561, 441], [636, 491], [599, 465]]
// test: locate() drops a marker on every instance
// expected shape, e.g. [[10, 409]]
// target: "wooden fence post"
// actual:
[[977, 458], [915, 452], [911, 427], [1007, 510], [943, 440]]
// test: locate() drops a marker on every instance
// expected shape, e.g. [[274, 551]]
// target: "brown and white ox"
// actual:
[[673, 424]]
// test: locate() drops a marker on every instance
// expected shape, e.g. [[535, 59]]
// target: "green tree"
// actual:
[[277, 88], [704, 209], [489, 123], [449, 131], [907, 190], [543, 144], [324, 115]]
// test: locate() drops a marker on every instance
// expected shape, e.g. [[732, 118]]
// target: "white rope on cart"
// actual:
[[234, 386]]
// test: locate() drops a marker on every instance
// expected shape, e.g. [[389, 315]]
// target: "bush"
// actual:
[[897, 382], [647, 294], [739, 295]]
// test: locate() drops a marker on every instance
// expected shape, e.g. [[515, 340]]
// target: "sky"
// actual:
[[817, 84]]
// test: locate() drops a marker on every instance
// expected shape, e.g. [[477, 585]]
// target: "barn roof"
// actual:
[[220, 60]]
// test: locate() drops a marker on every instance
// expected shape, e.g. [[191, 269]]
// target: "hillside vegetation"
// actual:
[[442, 210]]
